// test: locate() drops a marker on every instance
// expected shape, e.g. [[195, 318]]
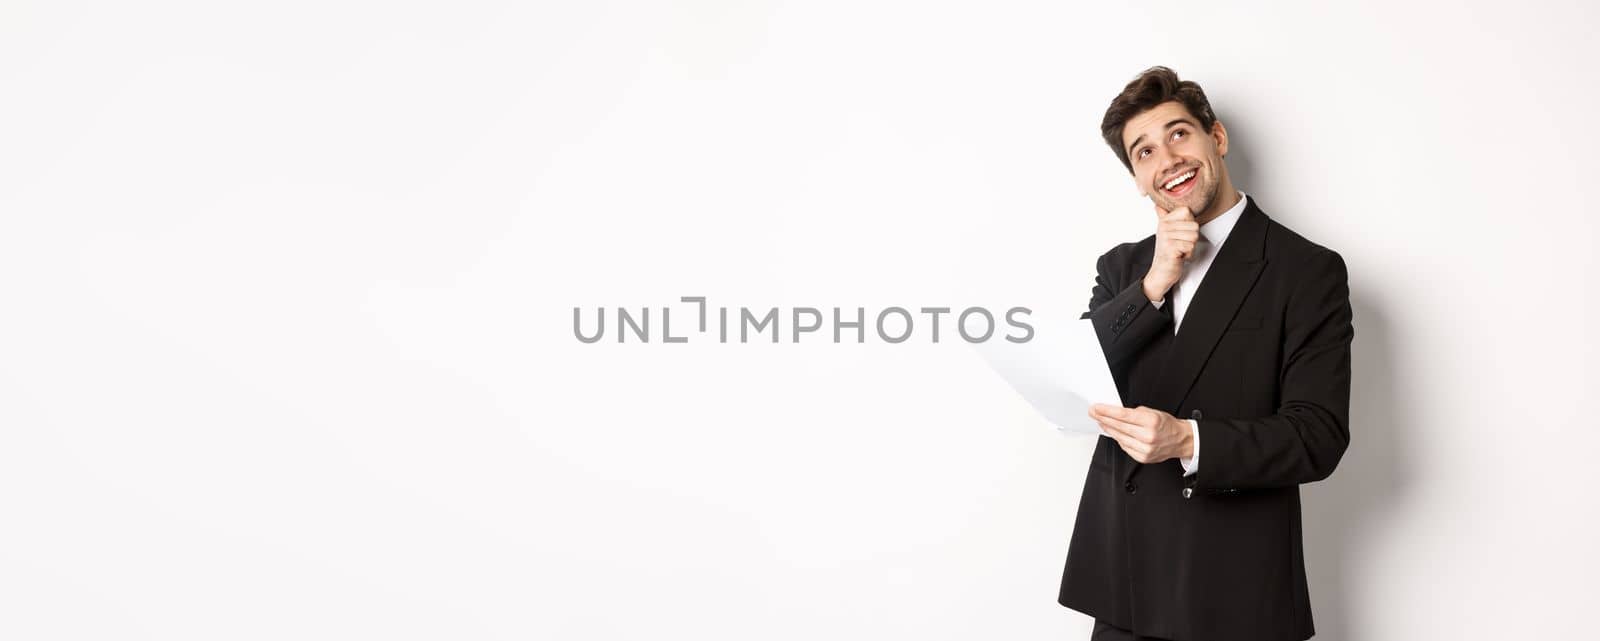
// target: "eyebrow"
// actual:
[[1179, 121]]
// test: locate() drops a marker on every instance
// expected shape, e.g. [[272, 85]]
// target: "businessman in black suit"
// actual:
[[1229, 339]]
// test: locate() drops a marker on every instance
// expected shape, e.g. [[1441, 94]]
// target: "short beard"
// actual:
[[1209, 196]]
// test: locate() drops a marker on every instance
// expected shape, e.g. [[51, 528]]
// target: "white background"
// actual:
[[288, 289]]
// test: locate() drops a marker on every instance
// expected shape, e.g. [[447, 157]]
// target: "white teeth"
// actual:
[[1179, 180]]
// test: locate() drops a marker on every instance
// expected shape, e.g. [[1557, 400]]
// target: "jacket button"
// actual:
[[1188, 492], [1195, 415], [1131, 488]]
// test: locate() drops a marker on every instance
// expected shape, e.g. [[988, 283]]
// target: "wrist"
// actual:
[[1152, 293], [1186, 440], [1191, 463]]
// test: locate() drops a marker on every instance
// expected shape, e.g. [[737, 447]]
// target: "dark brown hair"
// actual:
[[1152, 87]]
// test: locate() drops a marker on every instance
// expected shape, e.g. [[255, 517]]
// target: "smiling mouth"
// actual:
[[1180, 184]]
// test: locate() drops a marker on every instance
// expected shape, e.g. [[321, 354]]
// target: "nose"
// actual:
[[1167, 161]]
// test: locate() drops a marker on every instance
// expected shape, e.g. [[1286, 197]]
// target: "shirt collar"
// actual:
[[1216, 230]]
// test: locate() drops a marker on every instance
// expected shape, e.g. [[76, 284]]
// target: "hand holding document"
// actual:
[[1061, 372]]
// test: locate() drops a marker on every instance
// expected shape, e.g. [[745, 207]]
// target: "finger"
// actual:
[[1160, 213], [1111, 433], [1124, 441], [1126, 427], [1133, 430], [1139, 451], [1106, 409], [1142, 415], [1108, 412]]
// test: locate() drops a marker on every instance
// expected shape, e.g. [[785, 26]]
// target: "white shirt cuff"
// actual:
[[1159, 303], [1192, 464]]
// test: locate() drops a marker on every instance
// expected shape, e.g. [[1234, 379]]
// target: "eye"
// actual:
[[1179, 134], [1144, 152]]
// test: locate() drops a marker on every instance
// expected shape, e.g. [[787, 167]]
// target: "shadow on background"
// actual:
[[1339, 513]]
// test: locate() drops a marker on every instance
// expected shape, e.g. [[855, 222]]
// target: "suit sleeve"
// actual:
[[1124, 320], [1303, 441]]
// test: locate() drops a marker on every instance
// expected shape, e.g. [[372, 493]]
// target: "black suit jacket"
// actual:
[[1262, 361]]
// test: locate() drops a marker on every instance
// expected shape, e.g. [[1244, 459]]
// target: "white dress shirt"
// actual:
[[1212, 235]]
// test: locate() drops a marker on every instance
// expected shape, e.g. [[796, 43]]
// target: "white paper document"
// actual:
[[1060, 372]]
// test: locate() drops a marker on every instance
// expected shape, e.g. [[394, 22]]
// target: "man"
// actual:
[[1229, 338]]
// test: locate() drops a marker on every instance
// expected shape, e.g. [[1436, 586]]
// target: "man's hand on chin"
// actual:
[[1148, 435]]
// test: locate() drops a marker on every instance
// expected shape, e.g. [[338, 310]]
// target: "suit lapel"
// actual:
[[1231, 276], [1232, 273]]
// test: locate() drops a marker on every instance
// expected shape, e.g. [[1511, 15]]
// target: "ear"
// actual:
[[1219, 135]]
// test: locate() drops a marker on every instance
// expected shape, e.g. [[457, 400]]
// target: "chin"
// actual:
[[1198, 201]]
